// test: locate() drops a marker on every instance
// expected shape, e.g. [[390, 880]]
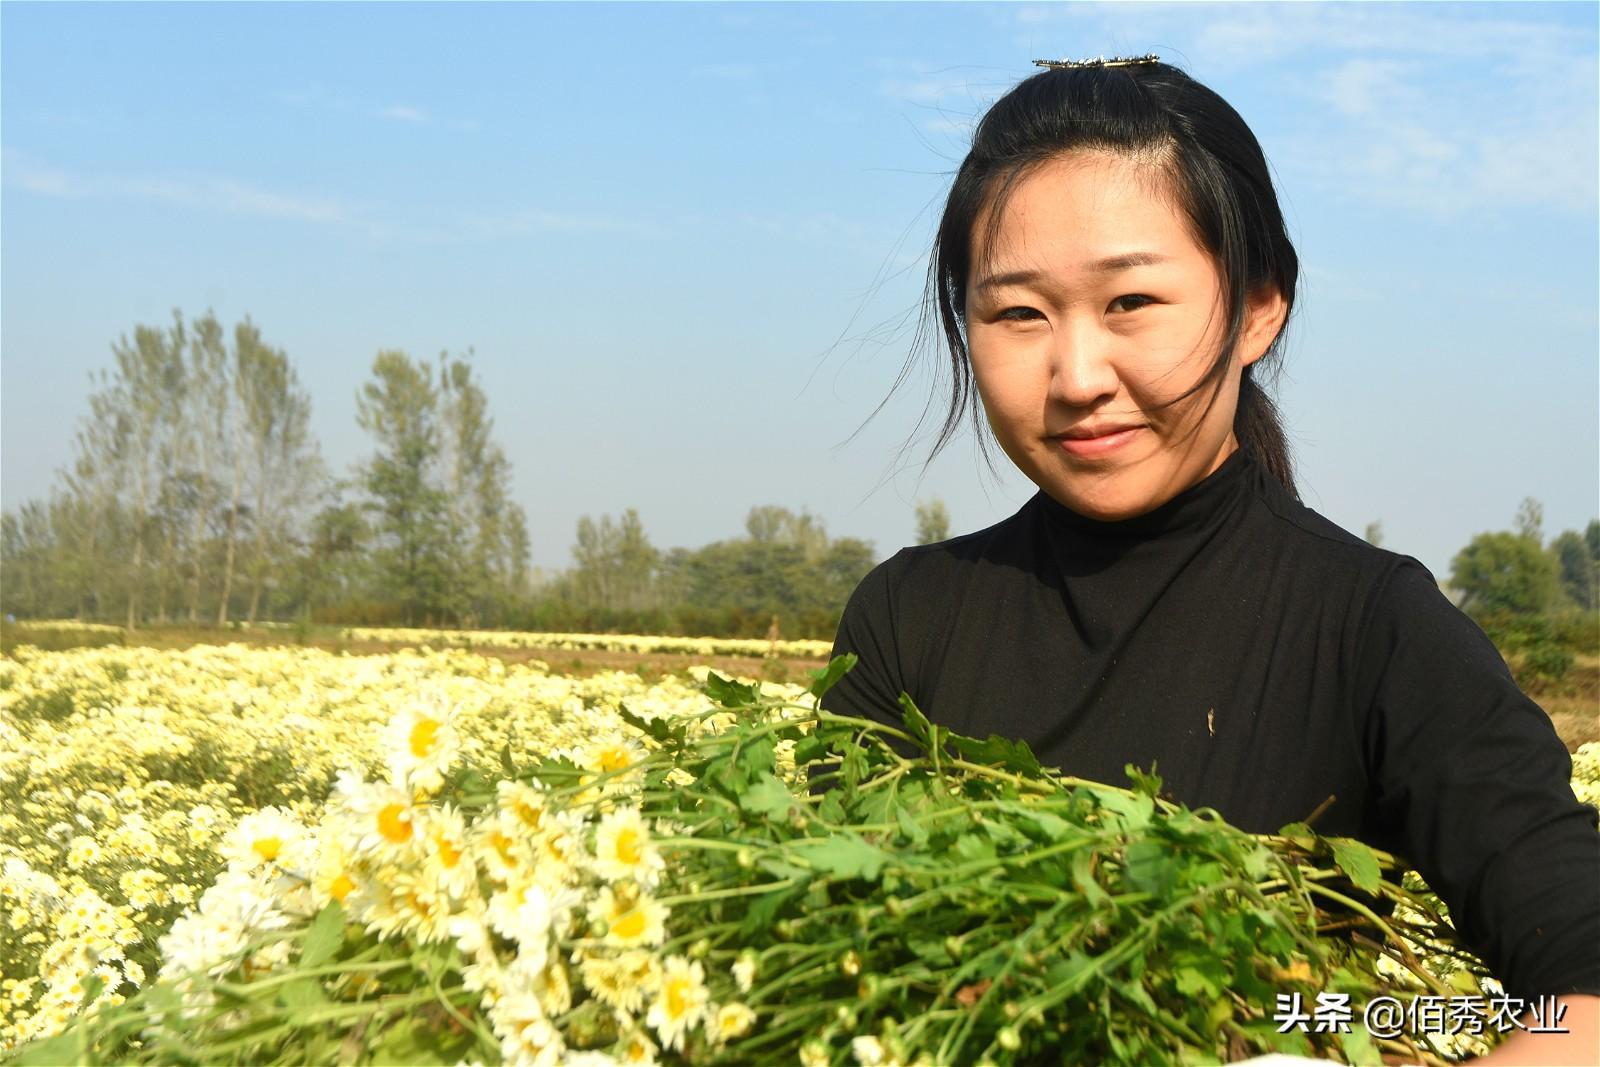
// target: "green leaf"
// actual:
[[1150, 868], [660, 730], [1148, 784], [302, 994], [767, 796], [1133, 811], [917, 725], [323, 937], [763, 912], [68, 1047], [843, 856], [1083, 879], [811, 747], [974, 848], [756, 756], [506, 762], [731, 694], [825, 678], [997, 751], [909, 827], [779, 869], [1357, 862]]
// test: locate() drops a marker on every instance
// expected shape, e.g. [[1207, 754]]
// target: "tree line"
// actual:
[[1539, 600], [197, 494]]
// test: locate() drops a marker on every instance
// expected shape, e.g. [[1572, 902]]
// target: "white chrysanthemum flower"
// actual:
[[446, 852], [631, 920], [744, 970], [84, 851], [731, 1021], [210, 939], [526, 1036], [527, 804], [502, 847], [376, 821], [680, 1003], [637, 1050], [523, 912], [868, 1051], [270, 838], [558, 850], [622, 981], [337, 875], [608, 755], [622, 848], [420, 743], [407, 903]]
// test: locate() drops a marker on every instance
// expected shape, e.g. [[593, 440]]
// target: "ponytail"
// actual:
[[1259, 428]]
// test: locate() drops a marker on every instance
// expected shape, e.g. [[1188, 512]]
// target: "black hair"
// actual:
[[1152, 112]]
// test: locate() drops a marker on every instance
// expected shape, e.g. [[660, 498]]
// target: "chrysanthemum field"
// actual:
[[243, 855]]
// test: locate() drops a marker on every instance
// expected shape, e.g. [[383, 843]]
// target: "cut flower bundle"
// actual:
[[767, 882]]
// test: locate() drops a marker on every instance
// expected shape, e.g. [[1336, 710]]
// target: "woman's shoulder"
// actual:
[[1317, 542], [1004, 543]]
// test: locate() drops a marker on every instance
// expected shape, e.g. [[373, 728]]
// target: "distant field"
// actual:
[[1573, 706]]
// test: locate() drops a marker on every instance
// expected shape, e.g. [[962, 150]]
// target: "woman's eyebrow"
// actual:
[[1108, 265], [1112, 264]]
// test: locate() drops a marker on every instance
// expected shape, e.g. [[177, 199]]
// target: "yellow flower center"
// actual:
[[676, 992], [502, 845], [614, 759], [342, 887], [532, 815], [630, 846], [629, 925], [424, 736], [394, 823], [449, 855], [267, 847]]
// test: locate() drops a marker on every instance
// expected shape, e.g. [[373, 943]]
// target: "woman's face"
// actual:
[[1093, 308]]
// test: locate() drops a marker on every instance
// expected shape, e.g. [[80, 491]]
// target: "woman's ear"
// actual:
[[1265, 310]]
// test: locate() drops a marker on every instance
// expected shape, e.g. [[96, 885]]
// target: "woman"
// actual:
[[1112, 273]]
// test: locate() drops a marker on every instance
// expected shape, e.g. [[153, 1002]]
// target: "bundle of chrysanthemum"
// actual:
[[762, 883]]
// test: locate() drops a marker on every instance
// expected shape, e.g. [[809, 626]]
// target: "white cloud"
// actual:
[[401, 113], [1441, 109], [223, 194], [551, 221]]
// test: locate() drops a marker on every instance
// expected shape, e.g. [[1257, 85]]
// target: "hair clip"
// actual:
[[1098, 61]]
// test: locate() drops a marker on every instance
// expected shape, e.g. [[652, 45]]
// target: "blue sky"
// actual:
[[686, 242]]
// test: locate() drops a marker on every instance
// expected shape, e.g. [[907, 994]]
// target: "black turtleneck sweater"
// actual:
[[1263, 659]]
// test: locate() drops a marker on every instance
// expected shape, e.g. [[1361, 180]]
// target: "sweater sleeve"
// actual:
[[1469, 780], [872, 688]]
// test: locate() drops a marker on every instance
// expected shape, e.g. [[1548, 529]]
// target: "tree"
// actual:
[[1579, 570], [1505, 572], [1530, 521], [488, 532], [145, 389], [933, 522], [1374, 534], [615, 564], [281, 467], [399, 408]]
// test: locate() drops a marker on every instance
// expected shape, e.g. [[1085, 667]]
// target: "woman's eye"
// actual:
[[1130, 302], [1017, 314]]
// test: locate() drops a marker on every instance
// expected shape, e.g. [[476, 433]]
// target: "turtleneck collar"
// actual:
[[1193, 509]]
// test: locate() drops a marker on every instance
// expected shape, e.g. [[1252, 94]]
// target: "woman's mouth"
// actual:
[[1095, 447]]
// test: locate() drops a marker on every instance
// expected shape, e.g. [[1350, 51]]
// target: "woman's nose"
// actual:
[[1082, 372]]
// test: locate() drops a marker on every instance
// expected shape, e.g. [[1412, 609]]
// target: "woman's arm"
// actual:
[[1580, 1046], [1468, 780]]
